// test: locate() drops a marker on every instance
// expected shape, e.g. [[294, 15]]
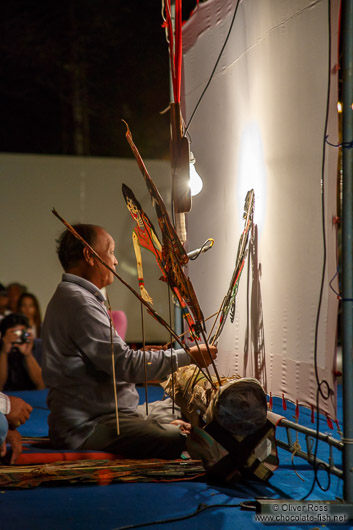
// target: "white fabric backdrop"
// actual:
[[261, 125]]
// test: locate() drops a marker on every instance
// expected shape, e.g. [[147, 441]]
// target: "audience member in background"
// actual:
[[14, 291], [20, 355], [4, 301], [13, 413], [28, 305]]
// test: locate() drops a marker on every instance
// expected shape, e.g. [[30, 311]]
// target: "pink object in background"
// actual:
[[120, 322]]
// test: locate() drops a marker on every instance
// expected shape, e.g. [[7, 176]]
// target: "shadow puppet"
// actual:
[[255, 323]]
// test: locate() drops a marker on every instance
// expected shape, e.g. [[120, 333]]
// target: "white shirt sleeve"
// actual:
[[5, 404]]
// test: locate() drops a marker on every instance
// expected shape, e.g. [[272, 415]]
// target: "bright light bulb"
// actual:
[[196, 183]]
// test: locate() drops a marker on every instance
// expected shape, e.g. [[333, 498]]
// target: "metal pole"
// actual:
[[347, 247]]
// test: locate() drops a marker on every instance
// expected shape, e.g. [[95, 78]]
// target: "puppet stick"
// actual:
[[188, 331]]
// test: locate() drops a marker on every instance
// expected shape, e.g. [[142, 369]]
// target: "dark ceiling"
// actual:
[[72, 70]]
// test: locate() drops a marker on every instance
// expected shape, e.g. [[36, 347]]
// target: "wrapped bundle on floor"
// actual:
[[234, 415]]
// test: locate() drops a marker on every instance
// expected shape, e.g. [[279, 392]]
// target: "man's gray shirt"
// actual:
[[77, 363]]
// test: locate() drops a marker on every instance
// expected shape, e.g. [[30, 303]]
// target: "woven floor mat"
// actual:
[[100, 472]]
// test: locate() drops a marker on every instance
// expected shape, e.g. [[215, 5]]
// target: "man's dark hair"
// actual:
[[12, 320], [70, 249]]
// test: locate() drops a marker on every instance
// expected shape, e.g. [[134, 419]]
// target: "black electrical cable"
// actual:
[[214, 68], [201, 508], [345, 145]]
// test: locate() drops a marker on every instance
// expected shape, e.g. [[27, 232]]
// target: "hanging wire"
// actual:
[[214, 68]]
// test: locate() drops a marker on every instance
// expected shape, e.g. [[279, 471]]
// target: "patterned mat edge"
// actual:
[[102, 472]]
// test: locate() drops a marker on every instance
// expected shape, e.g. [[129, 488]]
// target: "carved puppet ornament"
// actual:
[[144, 235]]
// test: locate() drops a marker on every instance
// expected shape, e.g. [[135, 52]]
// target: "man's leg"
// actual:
[[162, 411], [199, 444], [138, 438]]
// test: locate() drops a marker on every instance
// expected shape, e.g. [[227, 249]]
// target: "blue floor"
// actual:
[[122, 505]]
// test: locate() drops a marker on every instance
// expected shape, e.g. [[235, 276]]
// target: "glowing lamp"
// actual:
[[195, 183]]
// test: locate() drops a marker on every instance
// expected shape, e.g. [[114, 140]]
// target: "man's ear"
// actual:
[[88, 257]]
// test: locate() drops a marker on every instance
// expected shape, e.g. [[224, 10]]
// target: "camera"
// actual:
[[23, 336]]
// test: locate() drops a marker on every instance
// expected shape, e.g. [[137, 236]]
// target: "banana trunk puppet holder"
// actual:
[[234, 415]]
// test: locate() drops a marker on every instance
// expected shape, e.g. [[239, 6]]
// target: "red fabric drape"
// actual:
[[175, 45]]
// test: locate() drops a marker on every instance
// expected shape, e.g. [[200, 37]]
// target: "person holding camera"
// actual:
[[20, 357]]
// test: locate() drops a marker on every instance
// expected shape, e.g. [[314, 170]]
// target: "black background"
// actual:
[[71, 70]]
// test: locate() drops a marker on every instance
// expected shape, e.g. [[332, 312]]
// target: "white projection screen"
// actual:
[[261, 124]]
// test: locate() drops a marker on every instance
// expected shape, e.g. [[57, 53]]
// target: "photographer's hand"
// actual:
[[8, 340], [27, 347]]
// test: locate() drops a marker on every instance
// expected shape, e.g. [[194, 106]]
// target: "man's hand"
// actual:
[[184, 427], [14, 439], [201, 356], [20, 412]]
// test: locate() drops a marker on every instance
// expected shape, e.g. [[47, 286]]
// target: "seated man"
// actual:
[[13, 412], [79, 346], [20, 355]]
